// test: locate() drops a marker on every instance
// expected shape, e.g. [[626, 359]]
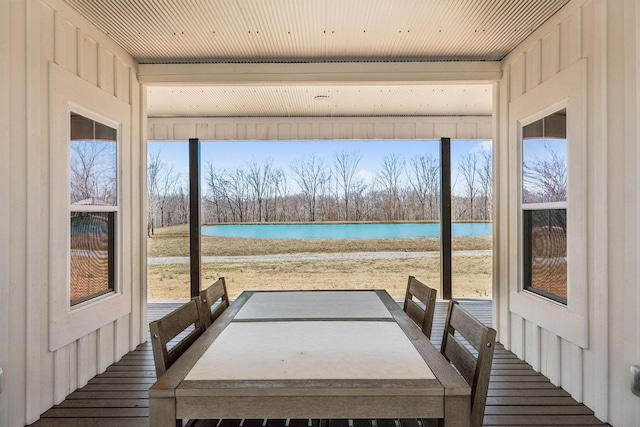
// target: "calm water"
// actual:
[[344, 231]]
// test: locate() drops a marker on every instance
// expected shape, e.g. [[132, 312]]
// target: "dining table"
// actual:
[[318, 354]]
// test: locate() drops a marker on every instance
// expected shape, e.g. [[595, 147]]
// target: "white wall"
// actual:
[[32, 34], [604, 36]]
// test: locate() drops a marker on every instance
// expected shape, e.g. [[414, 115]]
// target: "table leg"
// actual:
[[162, 412], [457, 411]]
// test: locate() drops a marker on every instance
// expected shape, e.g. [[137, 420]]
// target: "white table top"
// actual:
[[314, 305], [322, 350]]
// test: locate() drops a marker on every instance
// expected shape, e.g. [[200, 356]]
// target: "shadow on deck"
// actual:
[[518, 396]]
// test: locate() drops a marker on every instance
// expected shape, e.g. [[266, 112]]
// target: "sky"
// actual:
[[230, 155]]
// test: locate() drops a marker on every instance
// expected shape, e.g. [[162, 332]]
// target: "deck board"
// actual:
[[518, 396]]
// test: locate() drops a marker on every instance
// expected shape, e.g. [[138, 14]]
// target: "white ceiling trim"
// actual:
[[330, 73], [318, 128]]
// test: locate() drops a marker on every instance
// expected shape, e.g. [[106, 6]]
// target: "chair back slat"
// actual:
[[217, 292], [461, 357], [426, 295], [475, 370], [414, 311], [468, 326], [170, 326]]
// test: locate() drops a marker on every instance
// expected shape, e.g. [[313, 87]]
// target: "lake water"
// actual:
[[345, 231]]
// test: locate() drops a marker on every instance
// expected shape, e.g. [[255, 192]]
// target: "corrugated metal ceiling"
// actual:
[[267, 31], [168, 31], [319, 101]]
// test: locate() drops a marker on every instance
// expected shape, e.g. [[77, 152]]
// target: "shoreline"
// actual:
[[314, 256]]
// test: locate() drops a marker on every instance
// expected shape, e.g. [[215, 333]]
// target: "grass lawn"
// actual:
[[471, 275]]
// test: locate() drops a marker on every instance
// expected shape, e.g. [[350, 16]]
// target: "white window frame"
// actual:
[[69, 93], [566, 89], [540, 206], [77, 109]]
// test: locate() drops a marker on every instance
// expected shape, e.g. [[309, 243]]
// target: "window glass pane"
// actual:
[[93, 163], [545, 252], [544, 159], [92, 254]]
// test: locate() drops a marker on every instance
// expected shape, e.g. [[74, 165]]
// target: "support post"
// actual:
[[194, 215], [445, 218]]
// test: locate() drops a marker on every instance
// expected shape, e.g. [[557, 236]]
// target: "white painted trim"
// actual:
[[501, 220], [142, 142], [318, 128], [599, 228], [543, 206], [318, 73], [496, 288], [5, 198], [570, 321], [36, 273], [68, 91]]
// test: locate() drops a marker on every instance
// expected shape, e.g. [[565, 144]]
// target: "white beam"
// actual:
[[319, 73]]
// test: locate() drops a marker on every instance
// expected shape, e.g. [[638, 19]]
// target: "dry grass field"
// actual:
[[472, 275]]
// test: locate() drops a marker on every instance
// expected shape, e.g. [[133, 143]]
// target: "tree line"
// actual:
[[316, 188]]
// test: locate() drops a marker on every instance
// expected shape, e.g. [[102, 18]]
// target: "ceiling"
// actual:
[[322, 31]]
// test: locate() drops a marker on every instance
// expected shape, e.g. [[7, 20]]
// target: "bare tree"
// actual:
[[362, 210], [154, 164], [545, 177], [345, 167], [311, 175], [162, 182], [260, 177], [389, 180], [467, 167], [271, 194], [93, 172], [485, 173], [423, 178], [238, 193]]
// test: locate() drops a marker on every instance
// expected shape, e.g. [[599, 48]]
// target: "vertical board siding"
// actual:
[[425, 130], [65, 38], [88, 61], [106, 347], [517, 336], [563, 40], [533, 66], [37, 378], [36, 271], [17, 178], [5, 191], [122, 81], [406, 130], [550, 56], [516, 77], [105, 69], [570, 40], [532, 345], [550, 356], [230, 129]]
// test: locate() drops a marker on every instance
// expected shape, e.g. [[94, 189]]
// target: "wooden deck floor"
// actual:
[[518, 396]]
